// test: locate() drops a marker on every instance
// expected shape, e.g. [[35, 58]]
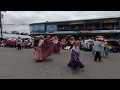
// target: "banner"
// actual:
[[85, 31], [50, 32], [75, 32], [41, 32], [63, 32], [110, 31]]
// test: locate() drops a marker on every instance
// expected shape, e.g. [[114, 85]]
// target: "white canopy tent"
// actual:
[[16, 36]]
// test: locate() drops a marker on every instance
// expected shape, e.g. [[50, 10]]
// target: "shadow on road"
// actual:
[[74, 71], [48, 60]]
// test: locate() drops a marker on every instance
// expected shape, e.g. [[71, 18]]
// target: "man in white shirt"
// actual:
[[97, 46]]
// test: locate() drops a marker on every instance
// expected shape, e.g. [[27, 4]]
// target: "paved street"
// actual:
[[20, 65]]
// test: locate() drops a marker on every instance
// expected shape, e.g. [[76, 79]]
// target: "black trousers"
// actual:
[[63, 47], [97, 55], [71, 46], [19, 46], [90, 48]]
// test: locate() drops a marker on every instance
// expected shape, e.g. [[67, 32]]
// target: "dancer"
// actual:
[[47, 48], [56, 45], [75, 61], [43, 50]]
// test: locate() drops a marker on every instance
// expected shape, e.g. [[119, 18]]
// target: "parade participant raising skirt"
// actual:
[[47, 48], [75, 62], [43, 50]]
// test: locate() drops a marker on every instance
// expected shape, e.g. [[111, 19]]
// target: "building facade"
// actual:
[[109, 27]]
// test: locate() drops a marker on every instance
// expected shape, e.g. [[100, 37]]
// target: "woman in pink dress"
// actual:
[[38, 55], [47, 48], [43, 50]]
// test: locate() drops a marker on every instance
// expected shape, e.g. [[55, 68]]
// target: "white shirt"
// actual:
[[76, 49], [41, 42], [97, 45], [19, 41], [55, 41]]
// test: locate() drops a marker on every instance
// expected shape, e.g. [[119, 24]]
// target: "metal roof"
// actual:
[[118, 17]]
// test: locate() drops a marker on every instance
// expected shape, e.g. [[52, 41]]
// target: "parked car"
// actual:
[[115, 43]]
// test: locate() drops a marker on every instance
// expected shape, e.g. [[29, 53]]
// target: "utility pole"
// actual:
[[1, 16], [1, 24]]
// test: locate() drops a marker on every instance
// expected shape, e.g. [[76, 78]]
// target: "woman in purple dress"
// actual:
[[75, 62], [56, 45]]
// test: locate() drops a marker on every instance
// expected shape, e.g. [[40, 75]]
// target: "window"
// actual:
[[51, 28], [40, 27], [110, 21], [31, 28]]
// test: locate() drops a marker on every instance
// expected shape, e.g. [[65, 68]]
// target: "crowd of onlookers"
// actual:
[[88, 44], [25, 43], [66, 44]]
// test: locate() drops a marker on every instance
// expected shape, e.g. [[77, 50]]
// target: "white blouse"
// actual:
[[55, 41], [41, 42], [76, 49]]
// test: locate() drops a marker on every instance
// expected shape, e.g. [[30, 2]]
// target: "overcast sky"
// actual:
[[28, 17]]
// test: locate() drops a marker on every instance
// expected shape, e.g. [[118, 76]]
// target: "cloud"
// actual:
[[27, 17]]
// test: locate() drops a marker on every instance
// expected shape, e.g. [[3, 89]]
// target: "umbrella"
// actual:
[[12, 39], [53, 38], [113, 41]]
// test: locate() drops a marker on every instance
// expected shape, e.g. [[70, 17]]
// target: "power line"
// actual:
[[15, 24]]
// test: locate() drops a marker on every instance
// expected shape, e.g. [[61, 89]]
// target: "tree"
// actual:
[[5, 32], [26, 33], [17, 32], [22, 33], [14, 32]]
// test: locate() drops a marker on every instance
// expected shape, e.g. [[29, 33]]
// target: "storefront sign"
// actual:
[[85, 31], [110, 31], [50, 32], [75, 32], [96, 31], [63, 32], [41, 32]]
